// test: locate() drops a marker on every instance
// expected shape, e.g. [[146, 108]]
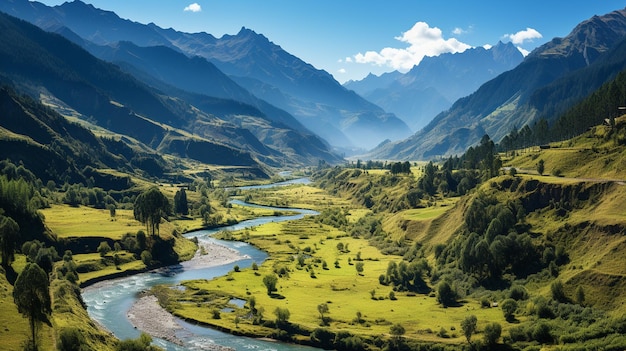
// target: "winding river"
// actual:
[[108, 302]]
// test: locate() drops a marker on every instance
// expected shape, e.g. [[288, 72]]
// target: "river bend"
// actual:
[[108, 302]]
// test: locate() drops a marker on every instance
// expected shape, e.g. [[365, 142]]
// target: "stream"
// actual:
[[108, 302]]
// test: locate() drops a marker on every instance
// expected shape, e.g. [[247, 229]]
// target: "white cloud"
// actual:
[[458, 31], [422, 41], [342, 70], [349, 59], [195, 7], [524, 35]]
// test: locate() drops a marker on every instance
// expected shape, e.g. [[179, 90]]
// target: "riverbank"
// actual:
[[148, 316]]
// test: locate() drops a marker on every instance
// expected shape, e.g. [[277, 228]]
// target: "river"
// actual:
[[108, 302]]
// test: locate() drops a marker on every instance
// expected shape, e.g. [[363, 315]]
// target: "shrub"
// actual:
[[492, 333], [70, 339], [541, 333], [509, 306]]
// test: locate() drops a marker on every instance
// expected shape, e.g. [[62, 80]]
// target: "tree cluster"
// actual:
[[407, 276], [150, 206], [598, 108]]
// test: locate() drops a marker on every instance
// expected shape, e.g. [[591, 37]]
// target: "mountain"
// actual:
[[55, 149], [87, 85], [197, 81], [44, 64], [432, 86], [312, 96], [549, 80]]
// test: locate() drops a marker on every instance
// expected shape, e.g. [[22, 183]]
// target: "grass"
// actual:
[[298, 196], [429, 213], [104, 270], [344, 290], [14, 329], [67, 221]]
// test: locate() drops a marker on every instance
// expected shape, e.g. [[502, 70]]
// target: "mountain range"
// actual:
[[549, 81], [432, 86], [319, 102], [244, 95]]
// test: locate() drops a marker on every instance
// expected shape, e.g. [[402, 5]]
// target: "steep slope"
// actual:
[[311, 95], [43, 63], [200, 83], [55, 149], [434, 84], [193, 74], [269, 72], [506, 101]]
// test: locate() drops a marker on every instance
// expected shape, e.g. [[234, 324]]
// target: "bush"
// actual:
[[541, 333], [518, 293], [146, 257], [492, 333], [104, 248], [323, 337], [70, 339], [445, 295], [509, 306]]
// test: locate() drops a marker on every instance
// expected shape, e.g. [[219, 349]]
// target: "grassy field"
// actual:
[[318, 272], [67, 221], [14, 329]]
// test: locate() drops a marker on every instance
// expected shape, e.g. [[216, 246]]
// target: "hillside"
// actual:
[[44, 64], [312, 96], [513, 99], [537, 260], [557, 240]]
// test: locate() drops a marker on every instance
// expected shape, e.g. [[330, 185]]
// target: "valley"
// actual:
[[170, 190]]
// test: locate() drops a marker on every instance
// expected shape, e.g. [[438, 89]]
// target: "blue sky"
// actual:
[[351, 38]]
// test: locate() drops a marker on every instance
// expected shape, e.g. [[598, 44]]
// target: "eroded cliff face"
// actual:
[[535, 194]]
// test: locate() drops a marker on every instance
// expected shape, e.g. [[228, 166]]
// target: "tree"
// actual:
[[104, 248], [445, 295], [580, 295], [468, 325], [111, 208], [270, 282], [150, 206], [282, 315], [140, 344], [9, 231], [540, 167], [558, 293], [397, 330], [492, 333], [509, 306], [71, 339], [322, 308], [359, 268], [180, 202], [31, 294]]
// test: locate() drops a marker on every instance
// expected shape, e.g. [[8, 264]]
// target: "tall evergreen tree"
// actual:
[[31, 294], [180, 202], [9, 231]]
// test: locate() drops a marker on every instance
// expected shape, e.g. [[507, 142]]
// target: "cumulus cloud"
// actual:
[[524, 35], [422, 40], [341, 70], [195, 7]]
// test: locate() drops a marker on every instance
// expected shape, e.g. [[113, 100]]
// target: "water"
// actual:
[[108, 302]]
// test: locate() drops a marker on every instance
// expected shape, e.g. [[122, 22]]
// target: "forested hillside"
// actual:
[[544, 249]]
